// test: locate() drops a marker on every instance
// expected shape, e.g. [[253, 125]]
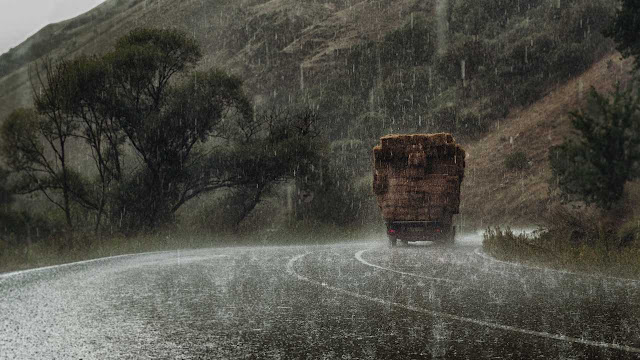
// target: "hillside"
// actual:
[[499, 76], [267, 42], [495, 195]]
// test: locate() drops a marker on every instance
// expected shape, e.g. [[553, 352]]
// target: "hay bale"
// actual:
[[417, 150], [380, 183], [418, 176], [417, 159], [403, 141]]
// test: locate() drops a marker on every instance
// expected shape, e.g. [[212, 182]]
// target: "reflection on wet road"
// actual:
[[350, 300]]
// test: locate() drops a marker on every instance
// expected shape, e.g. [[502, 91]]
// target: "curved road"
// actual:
[[351, 300]]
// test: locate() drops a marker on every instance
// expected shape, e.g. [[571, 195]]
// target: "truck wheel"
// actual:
[[451, 237], [392, 241]]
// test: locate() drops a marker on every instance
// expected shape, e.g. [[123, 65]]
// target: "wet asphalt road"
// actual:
[[343, 301]]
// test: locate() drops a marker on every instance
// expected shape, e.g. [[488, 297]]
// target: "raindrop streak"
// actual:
[[443, 25]]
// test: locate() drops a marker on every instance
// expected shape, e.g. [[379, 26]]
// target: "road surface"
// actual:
[[342, 301]]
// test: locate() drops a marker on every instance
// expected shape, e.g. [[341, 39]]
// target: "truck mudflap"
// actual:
[[406, 231]]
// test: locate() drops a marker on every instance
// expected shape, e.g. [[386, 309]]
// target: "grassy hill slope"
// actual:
[[266, 42], [492, 194], [477, 69]]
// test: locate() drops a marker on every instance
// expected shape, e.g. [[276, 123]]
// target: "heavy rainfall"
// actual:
[[332, 179]]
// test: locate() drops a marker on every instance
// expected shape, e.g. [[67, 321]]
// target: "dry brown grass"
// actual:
[[491, 194], [575, 238], [551, 249], [364, 20]]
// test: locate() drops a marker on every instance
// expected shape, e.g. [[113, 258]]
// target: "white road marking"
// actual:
[[482, 254], [21, 272], [467, 283], [359, 258], [541, 334]]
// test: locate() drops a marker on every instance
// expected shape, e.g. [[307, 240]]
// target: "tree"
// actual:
[[198, 133], [190, 132], [625, 30], [6, 198], [90, 100], [8, 219], [51, 95], [605, 153], [23, 134], [342, 193], [73, 100], [172, 143], [274, 146], [165, 117]]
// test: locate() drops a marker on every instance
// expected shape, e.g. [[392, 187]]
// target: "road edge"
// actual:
[[49, 267], [481, 253]]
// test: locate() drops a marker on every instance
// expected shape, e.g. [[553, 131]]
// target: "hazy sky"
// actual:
[[20, 19]]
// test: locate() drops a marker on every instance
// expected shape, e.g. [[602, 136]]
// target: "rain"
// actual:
[[331, 179]]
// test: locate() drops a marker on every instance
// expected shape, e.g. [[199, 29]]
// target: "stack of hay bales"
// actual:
[[417, 177]]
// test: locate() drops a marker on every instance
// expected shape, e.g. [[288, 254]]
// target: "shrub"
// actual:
[[341, 195], [225, 214], [577, 239], [624, 30], [21, 228], [629, 232], [516, 161], [595, 167], [471, 124]]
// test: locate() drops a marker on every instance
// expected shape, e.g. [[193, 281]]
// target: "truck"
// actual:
[[416, 181]]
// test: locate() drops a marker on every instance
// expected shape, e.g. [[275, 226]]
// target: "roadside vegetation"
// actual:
[[595, 224], [573, 240], [52, 250], [116, 145], [148, 137]]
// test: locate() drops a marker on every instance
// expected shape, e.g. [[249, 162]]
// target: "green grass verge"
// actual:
[[555, 249], [53, 252], [85, 247]]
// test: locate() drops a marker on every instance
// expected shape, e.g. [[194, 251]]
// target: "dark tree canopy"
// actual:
[[165, 111], [625, 30], [27, 139], [19, 145], [146, 59], [167, 140], [605, 153], [190, 132], [6, 198]]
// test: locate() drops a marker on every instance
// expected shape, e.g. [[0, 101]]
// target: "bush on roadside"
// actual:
[[507, 245], [21, 229], [574, 239], [629, 232], [342, 195]]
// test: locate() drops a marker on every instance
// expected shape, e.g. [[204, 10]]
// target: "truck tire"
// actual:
[[392, 241], [451, 236]]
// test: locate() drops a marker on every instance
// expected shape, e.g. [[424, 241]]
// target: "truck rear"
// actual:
[[417, 181]]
